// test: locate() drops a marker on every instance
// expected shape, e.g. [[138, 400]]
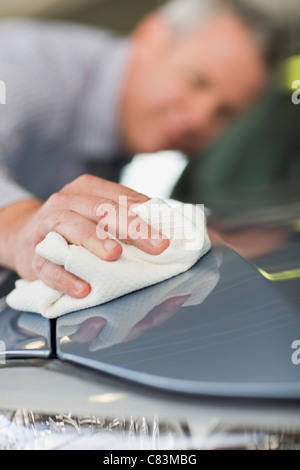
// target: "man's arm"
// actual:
[[39, 92], [79, 213], [12, 218]]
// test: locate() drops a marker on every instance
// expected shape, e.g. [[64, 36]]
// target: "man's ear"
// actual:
[[152, 31]]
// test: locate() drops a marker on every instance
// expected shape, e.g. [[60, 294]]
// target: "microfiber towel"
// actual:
[[183, 224]]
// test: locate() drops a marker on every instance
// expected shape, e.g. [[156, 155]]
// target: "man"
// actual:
[[78, 96]]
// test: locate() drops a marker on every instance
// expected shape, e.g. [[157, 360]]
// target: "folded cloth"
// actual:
[[183, 224]]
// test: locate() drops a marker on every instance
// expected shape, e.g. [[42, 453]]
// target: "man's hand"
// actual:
[[77, 212]]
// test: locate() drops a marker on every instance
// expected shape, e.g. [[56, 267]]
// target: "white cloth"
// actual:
[[184, 225]]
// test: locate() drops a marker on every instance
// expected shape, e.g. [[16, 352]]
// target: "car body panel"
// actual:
[[225, 328], [237, 342], [24, 335]]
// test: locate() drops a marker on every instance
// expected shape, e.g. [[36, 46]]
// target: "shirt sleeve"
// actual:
[[53, 74], [25, 104], [18, 119], [10, 191], [38, 98]]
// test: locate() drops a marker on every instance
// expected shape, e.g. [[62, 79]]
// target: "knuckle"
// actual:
[[135, 197], [90, 233], [56, 199], [108, 216], [61, 217], [84, 179], [38, 263], [57, 274], [106, 208], [54, 275]]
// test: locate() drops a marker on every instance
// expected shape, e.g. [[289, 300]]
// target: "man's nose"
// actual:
[[200, 114]]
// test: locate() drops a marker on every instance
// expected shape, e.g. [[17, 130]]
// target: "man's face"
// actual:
[[181, 92]]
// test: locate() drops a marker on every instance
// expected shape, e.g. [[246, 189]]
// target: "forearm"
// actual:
[[12, 218], [16, 205]]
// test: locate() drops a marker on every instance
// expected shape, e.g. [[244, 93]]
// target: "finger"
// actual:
[[88, 330], [80, 231], [123, 224], [58, 278], [119, 221], [156, 316]]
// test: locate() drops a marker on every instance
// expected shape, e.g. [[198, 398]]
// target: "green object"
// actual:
[[290, 73]]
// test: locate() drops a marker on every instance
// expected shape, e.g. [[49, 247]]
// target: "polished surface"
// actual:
[[22, 334], [224, 328], [221, 329]]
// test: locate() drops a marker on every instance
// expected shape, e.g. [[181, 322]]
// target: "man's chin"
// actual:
[[165, 146], [159, 145]]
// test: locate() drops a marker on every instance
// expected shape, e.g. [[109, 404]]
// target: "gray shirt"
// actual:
[[63, 87]]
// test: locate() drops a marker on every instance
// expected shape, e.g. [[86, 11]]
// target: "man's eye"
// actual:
[[198, 81], [226, 113]]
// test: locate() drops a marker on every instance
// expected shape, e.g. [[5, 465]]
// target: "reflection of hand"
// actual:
[[88, 330], [75, 213], [157, 316], [92, 327], [128, 317]]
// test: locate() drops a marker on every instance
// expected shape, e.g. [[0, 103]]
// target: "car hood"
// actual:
[[227, 327]]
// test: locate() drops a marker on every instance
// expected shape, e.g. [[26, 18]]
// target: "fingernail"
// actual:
[[110, 244], [156, 241], [160, 244], [80, 287]]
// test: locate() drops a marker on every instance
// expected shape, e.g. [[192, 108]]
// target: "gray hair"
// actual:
[[186, 15]]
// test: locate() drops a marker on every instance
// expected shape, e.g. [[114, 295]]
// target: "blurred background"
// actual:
[[122, 15], [255, 165]]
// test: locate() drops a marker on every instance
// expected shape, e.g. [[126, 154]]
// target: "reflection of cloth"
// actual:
[[124, 313], [134, 270]]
